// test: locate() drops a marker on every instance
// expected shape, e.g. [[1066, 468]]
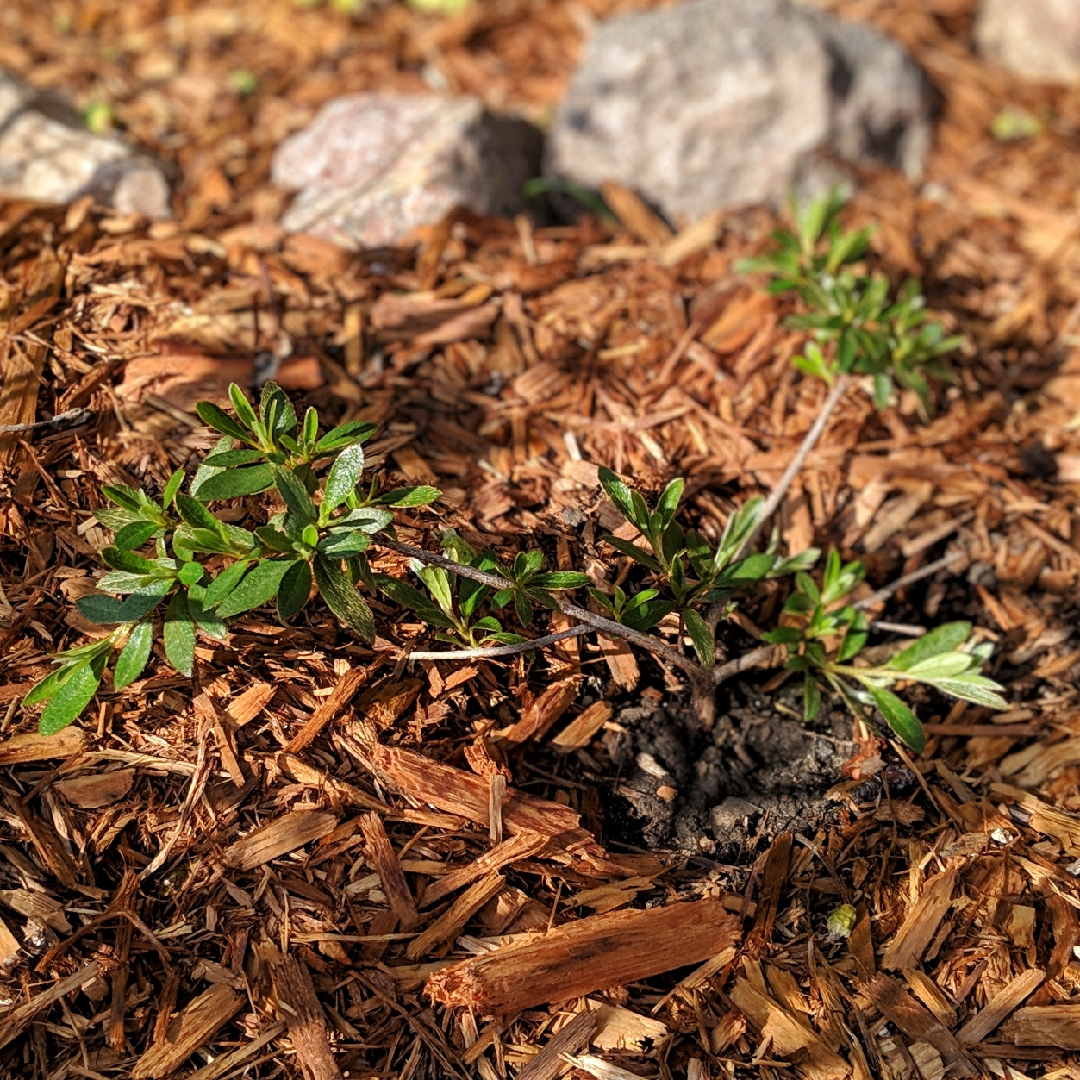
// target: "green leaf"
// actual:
[[560, 579], [207, 621], [420, 495], [172, 486], [191, 573], [367, 519], [811, 698], [242, 407], [942, 666], [134, 655], [100, 609], [274, 400], [943, 639], [783, 635], [311, 428], [129, 562], [669, 501], [224, 583], [180, 635], [353, 431], [635, 553], [295, 494], [974, 688], [294, 590], [219, 420], [233, 483], [899, 717], [701, 636], [344, 475], [73, 695], [127, 497], [438, 582], [403, 593], [229, 459], [120, 581], [135, 535], [851, 646], [618, 493], [45, 688], [341, 544], [343, 599], [523, 609], [258, 587]]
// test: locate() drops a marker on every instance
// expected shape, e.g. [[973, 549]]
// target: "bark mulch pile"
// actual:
[[317, 859]]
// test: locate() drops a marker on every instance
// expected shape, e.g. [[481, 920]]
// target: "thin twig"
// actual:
[[762, 656], [493, 652], [907, 579], [810, 440], [71, 418]]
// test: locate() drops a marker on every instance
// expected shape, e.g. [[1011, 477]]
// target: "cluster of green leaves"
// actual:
[[688, 574], [855, 323], [456, 604], [824, 634], [175, 552]]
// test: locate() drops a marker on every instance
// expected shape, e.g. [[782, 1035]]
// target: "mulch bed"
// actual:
[[314, 857]]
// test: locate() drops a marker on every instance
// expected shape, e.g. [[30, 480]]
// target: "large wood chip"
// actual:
[[305, 1020], [20, 749], [601, 951], [540, 715], [346, 688], [1044, 1025], [521, 846], [388, 867], [97, 789], [893, 1001], [439, 937], [999, 1006], [921, 923], [193, 1028], [279, 837]]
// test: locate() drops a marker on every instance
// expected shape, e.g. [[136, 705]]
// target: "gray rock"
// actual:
[[1036, 39], [371, 167], [46, 153], [715, 103]]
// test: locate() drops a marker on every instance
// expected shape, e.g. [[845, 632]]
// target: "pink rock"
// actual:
[[372, 167]]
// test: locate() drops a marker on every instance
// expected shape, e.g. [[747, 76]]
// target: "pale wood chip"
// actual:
[[1044, 1025], [388, 867], [192, 1029], [921, 923], [278, 837], [20, 749], [97, 789], [999, 1006]]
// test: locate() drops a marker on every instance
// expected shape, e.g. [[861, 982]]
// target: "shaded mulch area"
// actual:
[[230, 875]]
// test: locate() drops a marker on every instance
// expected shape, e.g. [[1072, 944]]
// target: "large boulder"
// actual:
[[1036, 39], [714, 103], [372, 167], [46, 153]]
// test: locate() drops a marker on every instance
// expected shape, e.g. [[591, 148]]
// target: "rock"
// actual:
[[372, 167], [715, 103], [1036, 39], [46, 153]]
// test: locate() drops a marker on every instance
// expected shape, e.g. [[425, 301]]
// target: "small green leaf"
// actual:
[[45, 688], [403, 593], [438, 582], [942, 666], [135, 535], [259, 586], [701, 636], [120, 581], [367, 519], [134, 655], [129, 562], [851, 646], [172, 486], [560, 579], [811, 698], [974, 688], [124, 496], [191, 573], [618, 493], [233, 483], [310, 535], [783, 635], [294, 494], [342, 544], [219, 420], [207, 621], [343, 599], [899, 717], [523, 609], [180, 635], [242, 407], [311, 428], [669, 501], [294, 590], [942, 639], [421, 495], [229, 459], [353, 431], [344, 475], [100, 609], [73, 695], [635, 553]]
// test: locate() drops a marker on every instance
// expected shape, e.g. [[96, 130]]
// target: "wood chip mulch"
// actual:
[[314, 860]]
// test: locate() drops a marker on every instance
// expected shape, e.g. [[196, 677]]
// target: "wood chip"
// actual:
[[20, 749], [572, 960], [279, 837], [385, 860], [437, 939], [999, 1006], [1045, 1025], [193, 1028], [17, 1020], [96, 790], [921, 923], [305, 1020]]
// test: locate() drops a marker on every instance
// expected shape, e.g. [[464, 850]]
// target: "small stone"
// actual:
[[730, 814], [373, 167], [1035, 39], [713, 103], [47, 154]]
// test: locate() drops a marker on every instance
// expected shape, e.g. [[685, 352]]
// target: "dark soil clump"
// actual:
[[725, 793]]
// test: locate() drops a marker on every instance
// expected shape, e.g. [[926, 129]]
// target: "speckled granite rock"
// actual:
[[371, 167], [46, 153], [1036, 39], [713, 103]]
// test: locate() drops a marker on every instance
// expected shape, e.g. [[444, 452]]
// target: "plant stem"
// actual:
[[493, 652], [810, 440], [907, 579]]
